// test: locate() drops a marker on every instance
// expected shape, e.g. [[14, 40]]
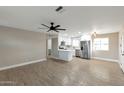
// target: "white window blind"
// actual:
[[101, 44]]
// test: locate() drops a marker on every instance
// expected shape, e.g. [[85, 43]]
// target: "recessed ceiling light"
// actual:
[[79, 32], [72, 35], [65, 34]]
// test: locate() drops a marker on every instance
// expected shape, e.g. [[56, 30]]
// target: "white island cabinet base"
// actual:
[[66, 55]]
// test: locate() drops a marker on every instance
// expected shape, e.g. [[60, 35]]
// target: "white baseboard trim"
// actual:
[[105, 59], [21, 64]]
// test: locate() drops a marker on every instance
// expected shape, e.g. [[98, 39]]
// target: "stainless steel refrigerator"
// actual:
[[85, 49]]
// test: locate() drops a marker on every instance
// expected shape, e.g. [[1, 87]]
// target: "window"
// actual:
[[75, 42], [101, 44]]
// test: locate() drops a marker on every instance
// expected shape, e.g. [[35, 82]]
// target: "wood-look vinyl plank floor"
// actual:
[[78, 72]]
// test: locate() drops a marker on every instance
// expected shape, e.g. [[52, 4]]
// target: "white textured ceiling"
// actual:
[[75, 19]]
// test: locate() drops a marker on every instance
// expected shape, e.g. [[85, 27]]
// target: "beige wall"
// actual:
[[113, 47], [19, 46]]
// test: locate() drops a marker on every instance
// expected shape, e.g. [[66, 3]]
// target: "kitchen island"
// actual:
[[66, 55]]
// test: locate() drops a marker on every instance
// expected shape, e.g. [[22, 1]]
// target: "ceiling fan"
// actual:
[[52, 27]]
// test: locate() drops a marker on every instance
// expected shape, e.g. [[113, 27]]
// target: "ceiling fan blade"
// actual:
[[57, 26], [60, 29], [45, 25]]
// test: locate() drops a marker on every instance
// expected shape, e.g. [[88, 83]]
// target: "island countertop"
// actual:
[[65, 50]]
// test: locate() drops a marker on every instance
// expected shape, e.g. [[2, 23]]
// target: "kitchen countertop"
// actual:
[[65, 50]]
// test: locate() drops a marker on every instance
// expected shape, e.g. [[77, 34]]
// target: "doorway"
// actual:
[[52, 47], [49, 47]]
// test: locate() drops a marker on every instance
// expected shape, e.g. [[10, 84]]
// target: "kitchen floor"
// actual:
[[57, 73]]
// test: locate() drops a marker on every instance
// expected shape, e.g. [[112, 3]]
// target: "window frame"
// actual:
[[101, 44]]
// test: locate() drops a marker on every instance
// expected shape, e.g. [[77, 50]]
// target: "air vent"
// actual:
[[59, 9]]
